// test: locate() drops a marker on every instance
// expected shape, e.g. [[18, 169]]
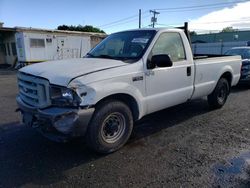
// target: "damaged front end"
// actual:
[[59, 124], [58, 112]]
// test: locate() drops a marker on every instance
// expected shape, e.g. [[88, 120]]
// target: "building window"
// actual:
[[48, 40], [8, 49], [37, 43], [13, 48]]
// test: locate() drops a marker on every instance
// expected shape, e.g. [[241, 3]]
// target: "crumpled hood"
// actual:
[[63, 71]]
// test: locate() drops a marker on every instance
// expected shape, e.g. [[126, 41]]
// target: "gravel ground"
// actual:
[[184, 146]]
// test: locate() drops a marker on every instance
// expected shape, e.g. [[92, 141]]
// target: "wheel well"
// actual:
[[127, 99], [228, 77]]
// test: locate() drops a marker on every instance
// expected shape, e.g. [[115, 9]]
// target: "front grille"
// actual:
[[33, 90]]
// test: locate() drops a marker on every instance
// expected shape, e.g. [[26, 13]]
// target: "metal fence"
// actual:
[[215, 48]]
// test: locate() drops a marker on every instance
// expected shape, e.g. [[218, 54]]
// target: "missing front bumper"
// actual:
[[66, 122]]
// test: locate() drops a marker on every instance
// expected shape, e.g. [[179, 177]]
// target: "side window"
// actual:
[[38, 43], [170, 44]]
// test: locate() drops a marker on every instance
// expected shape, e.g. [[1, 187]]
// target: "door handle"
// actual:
[[189, 71]]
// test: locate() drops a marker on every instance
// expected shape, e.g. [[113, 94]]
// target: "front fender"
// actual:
[[94, 92], [105, 90]]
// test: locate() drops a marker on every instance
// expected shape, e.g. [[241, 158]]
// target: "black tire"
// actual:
[[219, 96], [110, 127]]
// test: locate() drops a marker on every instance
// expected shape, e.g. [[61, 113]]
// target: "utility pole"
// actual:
[[139, 18], [154, 19]]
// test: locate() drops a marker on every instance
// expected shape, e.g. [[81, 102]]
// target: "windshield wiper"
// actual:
[[100, 56], [104, 56]]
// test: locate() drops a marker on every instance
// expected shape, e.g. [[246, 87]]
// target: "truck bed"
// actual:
[[208, 68]]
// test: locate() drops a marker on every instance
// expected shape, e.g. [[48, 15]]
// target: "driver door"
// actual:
[[168, 86]]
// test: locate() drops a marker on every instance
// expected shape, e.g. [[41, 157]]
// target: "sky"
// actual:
[[116, 15]]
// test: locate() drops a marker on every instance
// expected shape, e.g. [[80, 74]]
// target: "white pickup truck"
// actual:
[[128, 75]]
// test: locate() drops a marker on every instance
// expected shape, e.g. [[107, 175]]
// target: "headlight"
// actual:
[[67, 94], [62, 96]]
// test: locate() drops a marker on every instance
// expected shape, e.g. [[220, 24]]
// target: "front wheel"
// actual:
[[110, 127], [219, 96]]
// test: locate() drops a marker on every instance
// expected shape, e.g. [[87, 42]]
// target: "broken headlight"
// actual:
[[62, 96]]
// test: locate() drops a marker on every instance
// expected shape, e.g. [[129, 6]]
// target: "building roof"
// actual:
[[30, 29], [221, 37], [7, 29]]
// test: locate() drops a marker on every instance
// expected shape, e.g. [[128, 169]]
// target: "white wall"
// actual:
[[56, 46]]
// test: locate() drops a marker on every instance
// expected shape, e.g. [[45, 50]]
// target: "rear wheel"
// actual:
[[110, 127], [219, 96]]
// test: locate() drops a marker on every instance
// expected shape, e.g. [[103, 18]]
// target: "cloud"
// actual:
[[237, 17]]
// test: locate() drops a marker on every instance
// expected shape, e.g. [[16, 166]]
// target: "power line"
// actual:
[[124, 19], [194, 9], [167, 10], [200, 6], [124, 22], [121, 20], [200, 23]]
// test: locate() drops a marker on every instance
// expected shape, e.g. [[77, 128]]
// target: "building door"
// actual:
[[2, 52], [61, 48]]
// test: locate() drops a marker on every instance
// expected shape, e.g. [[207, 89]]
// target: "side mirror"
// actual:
[[162, 60]]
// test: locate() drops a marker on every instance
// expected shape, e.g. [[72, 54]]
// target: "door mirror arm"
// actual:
[[150, 64]]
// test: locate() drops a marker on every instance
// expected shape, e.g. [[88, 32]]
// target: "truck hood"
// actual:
[[63, 71]]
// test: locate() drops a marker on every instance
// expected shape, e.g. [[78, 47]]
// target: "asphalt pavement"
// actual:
[[185, 146]]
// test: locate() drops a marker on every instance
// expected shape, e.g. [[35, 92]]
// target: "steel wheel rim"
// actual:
[[113, 127], [222, 94]]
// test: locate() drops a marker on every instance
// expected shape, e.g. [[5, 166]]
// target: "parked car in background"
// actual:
[[244, 52]]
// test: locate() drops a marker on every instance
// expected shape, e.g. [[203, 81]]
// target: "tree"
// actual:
[[86, 28], [228, 29], [192, 33]]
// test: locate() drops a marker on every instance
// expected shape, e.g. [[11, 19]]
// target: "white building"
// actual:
[[30, 45]]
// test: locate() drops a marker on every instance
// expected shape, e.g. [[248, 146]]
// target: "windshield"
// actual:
[[244, 53], [128, 45]]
